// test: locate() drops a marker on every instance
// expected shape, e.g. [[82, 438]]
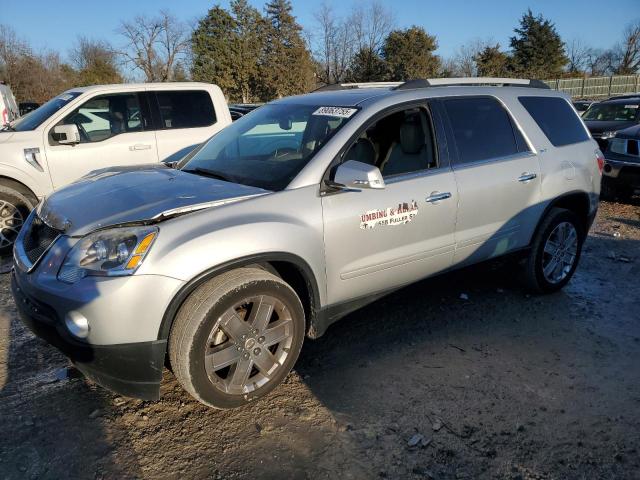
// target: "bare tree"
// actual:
[[334, 49], [578, 54], [628, 51], [154, 45], [370, 24], [463, 63]]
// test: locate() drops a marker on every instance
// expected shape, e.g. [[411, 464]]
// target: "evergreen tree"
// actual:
[[538, 50], [409, 54], [491, 62], [248, 48], [287, 67], [213, 59], [367, 66]]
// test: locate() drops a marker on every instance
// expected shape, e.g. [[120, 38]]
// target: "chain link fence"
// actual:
[[597, 87]]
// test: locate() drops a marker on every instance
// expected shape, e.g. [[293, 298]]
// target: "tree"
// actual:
[[409, 54], [286, 68], [491, 62], [577, 56], [368, 66], [154, 45], [250, 28], [213, 59], [463, 63], [538, 51], [334, 51], [95, 62], [628, 51]]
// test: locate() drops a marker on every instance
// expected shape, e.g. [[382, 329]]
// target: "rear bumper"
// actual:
[[622, 171], [130, 369]]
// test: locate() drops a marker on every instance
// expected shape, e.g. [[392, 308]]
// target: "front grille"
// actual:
[[38, 238]]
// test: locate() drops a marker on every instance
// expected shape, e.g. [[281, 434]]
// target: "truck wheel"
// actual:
[[14, 209], [555, 251], [607, 190], [236, 337]]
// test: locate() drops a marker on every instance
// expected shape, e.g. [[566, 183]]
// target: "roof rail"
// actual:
[[628, 95], [348, 86], [438, 82], [471, 81]]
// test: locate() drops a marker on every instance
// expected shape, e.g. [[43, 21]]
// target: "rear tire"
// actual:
[[14, 210], [236, 337], [607, 190], [555, 251]]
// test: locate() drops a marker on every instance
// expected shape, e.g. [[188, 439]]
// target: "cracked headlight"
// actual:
[[114, 252]]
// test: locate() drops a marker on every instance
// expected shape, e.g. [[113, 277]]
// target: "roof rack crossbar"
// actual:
[[354, 85]]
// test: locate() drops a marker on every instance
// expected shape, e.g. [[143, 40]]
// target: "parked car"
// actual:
[[26, 107], [8, 108], [582, 106], [90, 128], [239, 110], [621, 175], [295, 215], [605, 118]]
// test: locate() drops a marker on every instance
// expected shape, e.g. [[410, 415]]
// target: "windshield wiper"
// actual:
[[209, 173]]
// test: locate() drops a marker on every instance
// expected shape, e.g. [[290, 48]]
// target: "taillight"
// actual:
[[5, 116], [600, 160]]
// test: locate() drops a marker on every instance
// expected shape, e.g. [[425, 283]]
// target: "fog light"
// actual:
[[77, 324]]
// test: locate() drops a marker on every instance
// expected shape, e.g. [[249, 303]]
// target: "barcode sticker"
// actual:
[[340, 112]]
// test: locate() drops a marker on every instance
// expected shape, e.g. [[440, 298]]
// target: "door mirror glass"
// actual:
[[357, 175], [66, 134]]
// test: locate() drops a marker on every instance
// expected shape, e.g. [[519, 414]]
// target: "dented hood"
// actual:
[[135, 194]]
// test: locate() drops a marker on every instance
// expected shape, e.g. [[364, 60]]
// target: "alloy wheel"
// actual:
[[248, 344], [11, 221], [560, 252]]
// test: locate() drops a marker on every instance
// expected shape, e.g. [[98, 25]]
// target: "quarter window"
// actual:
[[185, 109], [482, 129], [106, 116], [556, 119]]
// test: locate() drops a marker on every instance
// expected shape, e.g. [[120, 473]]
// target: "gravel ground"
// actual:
[[426, 383]]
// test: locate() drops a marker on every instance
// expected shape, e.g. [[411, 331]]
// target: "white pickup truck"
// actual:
[[89, 128]]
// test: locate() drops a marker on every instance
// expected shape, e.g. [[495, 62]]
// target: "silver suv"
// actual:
[[295, 215]]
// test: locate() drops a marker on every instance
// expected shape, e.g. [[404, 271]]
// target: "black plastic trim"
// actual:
[[185, 291]]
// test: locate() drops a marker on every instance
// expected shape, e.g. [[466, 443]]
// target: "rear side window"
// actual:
[[556, 119], [482, 129], [185, 109]]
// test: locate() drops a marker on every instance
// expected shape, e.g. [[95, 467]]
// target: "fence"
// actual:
[[596, 87]]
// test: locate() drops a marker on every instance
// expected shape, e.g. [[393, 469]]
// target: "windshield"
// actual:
[[269, 147], [612, 112], [35, 118]]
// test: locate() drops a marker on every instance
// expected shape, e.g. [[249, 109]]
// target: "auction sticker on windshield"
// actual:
[[335, 112]]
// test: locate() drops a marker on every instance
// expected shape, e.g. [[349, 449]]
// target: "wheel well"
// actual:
[[577, 202], [18, 187], [292, 274]]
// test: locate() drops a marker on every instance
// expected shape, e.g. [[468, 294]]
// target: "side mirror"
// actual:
[[357, 175], [66, 134]]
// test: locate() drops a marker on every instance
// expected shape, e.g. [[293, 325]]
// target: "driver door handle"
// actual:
[[526, 177], [436, 197], [140, 146]]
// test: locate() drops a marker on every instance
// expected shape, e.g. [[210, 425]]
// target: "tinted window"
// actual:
[[106, 116], [186, 109], [556, 119], [482, 129]]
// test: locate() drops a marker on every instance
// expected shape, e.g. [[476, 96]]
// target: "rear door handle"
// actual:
[[436, 197], [140, 146], [526, 177]]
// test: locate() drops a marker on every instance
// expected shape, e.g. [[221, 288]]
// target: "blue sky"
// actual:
[[56, 24]]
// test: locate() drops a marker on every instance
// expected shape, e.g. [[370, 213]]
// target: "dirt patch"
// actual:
[[464, 376]]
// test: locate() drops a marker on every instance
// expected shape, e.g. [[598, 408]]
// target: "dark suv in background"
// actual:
[[604, 119], [621, 175]]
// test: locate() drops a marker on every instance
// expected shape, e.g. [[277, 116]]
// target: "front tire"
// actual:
[[14, 210], [555, 251], [236, 337]]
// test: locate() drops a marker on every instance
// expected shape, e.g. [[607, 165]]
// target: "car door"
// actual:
[[115, 129], [377, 240], [184, 119], [498, 178]]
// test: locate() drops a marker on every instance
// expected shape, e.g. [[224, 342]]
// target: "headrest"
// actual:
[[411, 135], [362, 151]]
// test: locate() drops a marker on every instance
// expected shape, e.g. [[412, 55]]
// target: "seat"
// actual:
[[362, 151], [412, 153]]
